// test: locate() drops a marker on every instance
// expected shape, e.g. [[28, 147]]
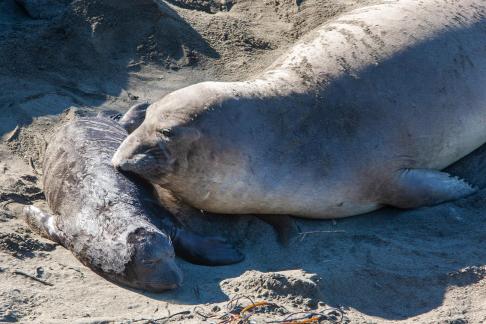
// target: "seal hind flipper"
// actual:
[[205, 250], [412, 188], [42, 223]]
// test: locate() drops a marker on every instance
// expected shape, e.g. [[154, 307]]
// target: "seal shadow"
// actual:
[[86, 53]]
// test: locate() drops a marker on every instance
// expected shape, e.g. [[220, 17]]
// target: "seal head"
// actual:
[[153, 266], [159, 147]]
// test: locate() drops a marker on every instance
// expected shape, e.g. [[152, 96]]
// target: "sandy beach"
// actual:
[[64, 58]]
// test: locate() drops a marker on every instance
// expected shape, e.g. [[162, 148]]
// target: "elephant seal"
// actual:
[[362, 112], [110, 222]]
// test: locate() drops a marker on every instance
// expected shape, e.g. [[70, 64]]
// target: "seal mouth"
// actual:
[[150, 160], [144, 165], [155, 278], [165, 276], [132, 164]]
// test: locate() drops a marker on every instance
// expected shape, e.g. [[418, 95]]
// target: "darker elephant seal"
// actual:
[[363, 112], [110, 222]]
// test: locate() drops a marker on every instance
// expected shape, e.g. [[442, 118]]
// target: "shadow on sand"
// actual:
[[83, 55]]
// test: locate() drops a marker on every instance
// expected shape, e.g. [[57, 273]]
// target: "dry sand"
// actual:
[[426, 265]]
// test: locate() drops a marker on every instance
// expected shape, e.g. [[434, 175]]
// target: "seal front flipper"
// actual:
[[204, 250], [412, 188], [42, 223], [134, 117], [192, 247], [283, 225]]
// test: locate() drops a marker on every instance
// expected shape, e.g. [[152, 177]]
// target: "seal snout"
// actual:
[[165, 275], [130, 164], [130, 156], [145, 155], [123, 154]]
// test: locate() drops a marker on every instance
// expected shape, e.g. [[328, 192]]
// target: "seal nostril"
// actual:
[[117, 164], [151, 261]]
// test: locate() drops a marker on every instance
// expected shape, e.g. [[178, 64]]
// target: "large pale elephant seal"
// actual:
[[361, 113], [111, 223]]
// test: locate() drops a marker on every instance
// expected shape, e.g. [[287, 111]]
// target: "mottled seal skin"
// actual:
[[362, 112], [109, 221]]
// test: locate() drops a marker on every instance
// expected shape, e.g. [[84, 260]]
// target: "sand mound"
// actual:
[[61, 54], [30, 142], [98, 37], [294, 286]]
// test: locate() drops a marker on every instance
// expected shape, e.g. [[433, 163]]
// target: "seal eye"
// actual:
[[165, 132]]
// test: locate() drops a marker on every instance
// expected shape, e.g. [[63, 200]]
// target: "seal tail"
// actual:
[[41, 223]]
